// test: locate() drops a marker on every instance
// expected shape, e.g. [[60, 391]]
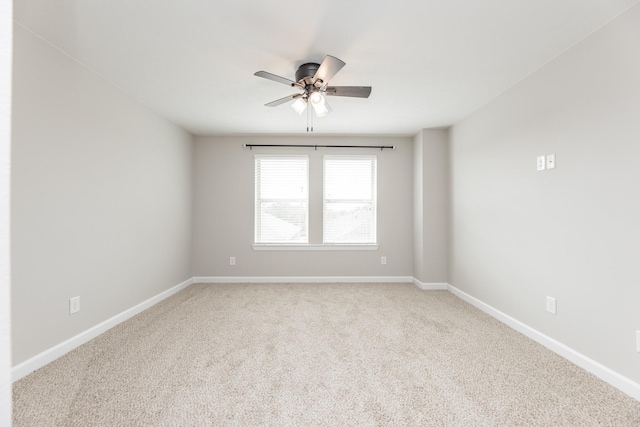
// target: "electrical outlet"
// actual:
[[540, 163], [383, 260], [551, 161], [74, 305], [638, 341], [551, 305], [232, 260]]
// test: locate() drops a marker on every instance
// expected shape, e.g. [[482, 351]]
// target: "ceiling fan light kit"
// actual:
[[313, 80]]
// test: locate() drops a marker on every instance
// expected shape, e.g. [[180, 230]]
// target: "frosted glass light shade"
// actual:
[[319, 104], [299, 105]]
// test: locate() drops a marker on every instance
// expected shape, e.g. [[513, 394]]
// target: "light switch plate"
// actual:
[[551, 161]]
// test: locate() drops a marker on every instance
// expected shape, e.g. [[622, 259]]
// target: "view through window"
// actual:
[[349, 199]]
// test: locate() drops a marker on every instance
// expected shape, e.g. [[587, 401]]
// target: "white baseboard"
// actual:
[[306, 279], [617, 380], [430, 286], [25, 368]]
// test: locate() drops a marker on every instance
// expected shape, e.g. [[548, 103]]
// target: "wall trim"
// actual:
[[430, 286], [38, 361], [305, 279], [608, 375]]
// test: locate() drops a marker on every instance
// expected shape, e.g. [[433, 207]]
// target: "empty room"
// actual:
[[341, 213]]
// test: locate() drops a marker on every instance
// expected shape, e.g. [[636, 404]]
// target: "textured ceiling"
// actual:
[[430, 62]]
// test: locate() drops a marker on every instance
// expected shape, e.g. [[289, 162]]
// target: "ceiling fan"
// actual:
[[313, 80]]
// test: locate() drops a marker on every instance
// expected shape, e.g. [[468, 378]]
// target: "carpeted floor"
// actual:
[[315, 355]]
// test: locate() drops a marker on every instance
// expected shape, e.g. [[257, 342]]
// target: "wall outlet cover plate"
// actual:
[[551, 305], [74, 305]]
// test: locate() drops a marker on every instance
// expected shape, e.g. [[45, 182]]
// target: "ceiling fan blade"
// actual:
[[329, 67], [275, 78], [283, 100], [353, 91]]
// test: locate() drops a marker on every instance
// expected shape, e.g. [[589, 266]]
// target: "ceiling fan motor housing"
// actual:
[[306, 72]]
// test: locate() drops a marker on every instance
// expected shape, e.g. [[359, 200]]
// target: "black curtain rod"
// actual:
[[381, 147]]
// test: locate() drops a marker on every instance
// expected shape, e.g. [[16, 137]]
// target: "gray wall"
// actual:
[[518, 235], [5, 163], [431, 206], [101, 199], [223, 210]]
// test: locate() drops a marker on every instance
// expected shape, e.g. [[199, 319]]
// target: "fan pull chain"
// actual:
[[309, 119]]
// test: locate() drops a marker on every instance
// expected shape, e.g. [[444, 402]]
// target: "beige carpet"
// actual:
[[315, 355]]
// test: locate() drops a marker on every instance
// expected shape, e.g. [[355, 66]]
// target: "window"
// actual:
[[281, 199], [349, 210]]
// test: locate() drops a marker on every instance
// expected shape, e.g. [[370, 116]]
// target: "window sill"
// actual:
[[337, 247]]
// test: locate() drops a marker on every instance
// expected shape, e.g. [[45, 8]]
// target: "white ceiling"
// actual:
[[430, 62]]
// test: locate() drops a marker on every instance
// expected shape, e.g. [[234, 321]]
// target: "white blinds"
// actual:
[[349, 199], [281, 199]]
